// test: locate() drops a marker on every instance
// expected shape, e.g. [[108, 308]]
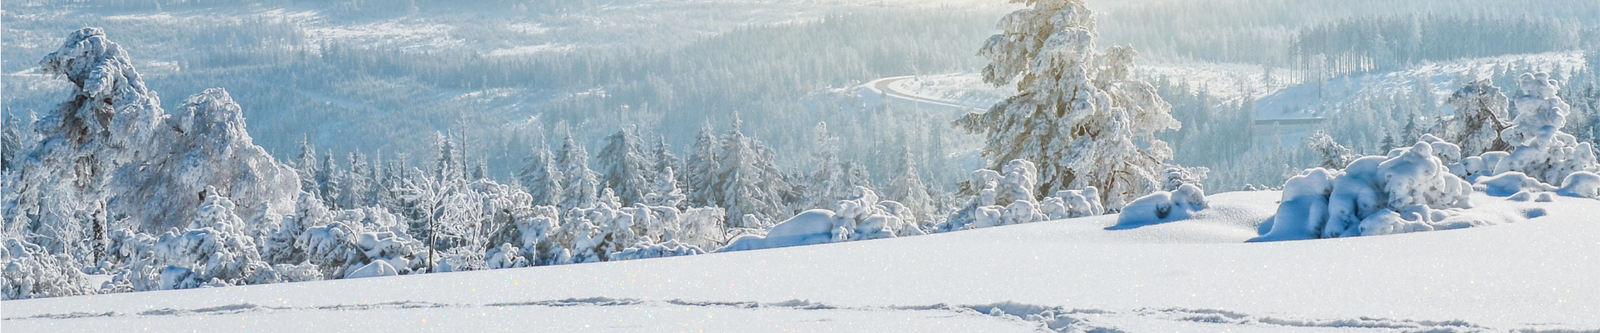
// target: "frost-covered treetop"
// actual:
[[110, 93]]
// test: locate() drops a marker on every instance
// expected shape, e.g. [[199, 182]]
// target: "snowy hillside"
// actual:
[[1066, 275]]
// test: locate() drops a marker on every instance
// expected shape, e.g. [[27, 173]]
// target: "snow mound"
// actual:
[[861, 217], [810, 227], [374, 269], [1581, 184], [1162, 206]]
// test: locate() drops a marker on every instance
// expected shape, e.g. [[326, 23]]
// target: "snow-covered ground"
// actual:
[[1069, 275]]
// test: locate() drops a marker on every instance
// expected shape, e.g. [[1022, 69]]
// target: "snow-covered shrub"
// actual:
[[1078, 203], [1175, 177], [214, 250], [1540, 149], [331, 247], [526, 240], [1327, 204], [32, 272], [1005, 200], [670, 248], [861, 217], [1163, 206]]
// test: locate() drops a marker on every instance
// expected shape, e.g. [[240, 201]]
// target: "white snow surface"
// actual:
[[1063, 275]]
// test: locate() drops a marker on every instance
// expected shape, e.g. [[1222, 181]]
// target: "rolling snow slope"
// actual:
[[1067, 275]]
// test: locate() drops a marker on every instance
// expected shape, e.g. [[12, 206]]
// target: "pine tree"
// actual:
[[542, 178], [306, 167], [663, 159], [742, 193], [357, 187], [581, 185], [624, 167], [907, 187], [1078, 111], [665, 191], [328, 181], [448, 165], [828, 175], [702, 167]]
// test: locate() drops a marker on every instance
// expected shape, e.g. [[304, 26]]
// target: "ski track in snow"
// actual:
[[1046, 318]]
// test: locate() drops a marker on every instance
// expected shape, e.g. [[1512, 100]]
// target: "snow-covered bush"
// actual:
[[861, 217], [526, 240], [32, 272], [1163, 206], [1003, 200], [1074, 204], [214, 250], [1539, 148], [1327, 204], [670, 248]]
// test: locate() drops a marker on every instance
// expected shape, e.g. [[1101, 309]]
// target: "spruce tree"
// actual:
[[624, 167]]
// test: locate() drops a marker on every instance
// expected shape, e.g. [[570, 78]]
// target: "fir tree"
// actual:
[[624, 167], [702, 167], [581, 185], [542, 178]]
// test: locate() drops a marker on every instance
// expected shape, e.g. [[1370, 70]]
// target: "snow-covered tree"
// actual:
[[664, 191], [1333, 155], [306, 166], [329, 181], [1539, 148], [907, 188], [828, 181], [1480, 116], [662, 157], [541, 178], [581, 185], [702, 170], [742, 175], [357, 185], [624, 167], [1078, 110]]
